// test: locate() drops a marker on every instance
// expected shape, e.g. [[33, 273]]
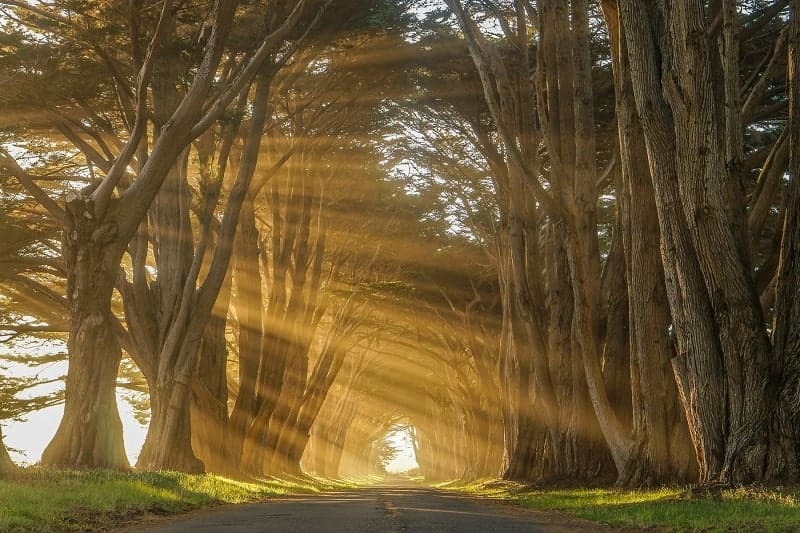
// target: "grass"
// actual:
[[669, 508], [38, 500]]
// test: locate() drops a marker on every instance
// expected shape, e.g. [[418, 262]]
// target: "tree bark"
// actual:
[[698, 350], [168, 441], [7, 466], [784, 457], [249, 306], [90, 432], [705, 187], [723, 348], [662, 445], [211, 432], [96, 232]]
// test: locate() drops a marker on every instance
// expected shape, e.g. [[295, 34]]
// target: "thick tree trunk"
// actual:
[[168, 441], [530, 346], [530, 432], [90, 432], [663, 448], [784, 458], [7, 466], [723, 349], [249, 311], [657, 411], [209, 406], [706, 191], [168, 444]]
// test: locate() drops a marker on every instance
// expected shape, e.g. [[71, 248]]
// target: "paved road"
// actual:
[[378, 509]]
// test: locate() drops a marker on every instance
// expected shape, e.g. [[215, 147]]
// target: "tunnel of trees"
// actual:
[[548, 239]]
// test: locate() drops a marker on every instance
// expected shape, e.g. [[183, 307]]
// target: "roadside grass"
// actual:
[[40, 500], [667, 509]]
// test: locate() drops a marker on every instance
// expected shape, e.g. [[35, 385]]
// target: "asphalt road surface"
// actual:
[[381, 508]]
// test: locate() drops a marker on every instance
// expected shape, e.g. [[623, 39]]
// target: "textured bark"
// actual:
[[7, 466], [167, 445], [249, 311], [560, 348], [784, 457], [90, 432], [705, 190], [662, 449], [763, 197], [168, 441], [699, 353], [211, 433], [723, 349], [97, 231]]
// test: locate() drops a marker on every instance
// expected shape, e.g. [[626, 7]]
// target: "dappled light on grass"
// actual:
[[49, 500], [673, 508]]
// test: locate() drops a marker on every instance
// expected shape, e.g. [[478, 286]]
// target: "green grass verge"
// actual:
[[38, 500], [669, 508]]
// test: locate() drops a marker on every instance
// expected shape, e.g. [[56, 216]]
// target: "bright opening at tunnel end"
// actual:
[[405, 460]]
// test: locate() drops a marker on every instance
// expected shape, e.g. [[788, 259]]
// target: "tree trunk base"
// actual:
[[7, 466]]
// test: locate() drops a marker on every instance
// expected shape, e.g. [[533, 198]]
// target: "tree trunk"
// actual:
[[571, 140], [7, 466], [662, 449], [506, 366], [706, 191], [784, 458], [559, 305], [249, 306], [90, 432], [616, 323], [168, 441], [209, 406], [168, 444], [723, 349], [346, 415]]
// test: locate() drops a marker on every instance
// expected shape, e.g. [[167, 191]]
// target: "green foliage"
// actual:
[[45, 500], [378, 16], [15, 402]]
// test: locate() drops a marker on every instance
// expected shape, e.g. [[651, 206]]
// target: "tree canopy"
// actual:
[[550, 239]]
